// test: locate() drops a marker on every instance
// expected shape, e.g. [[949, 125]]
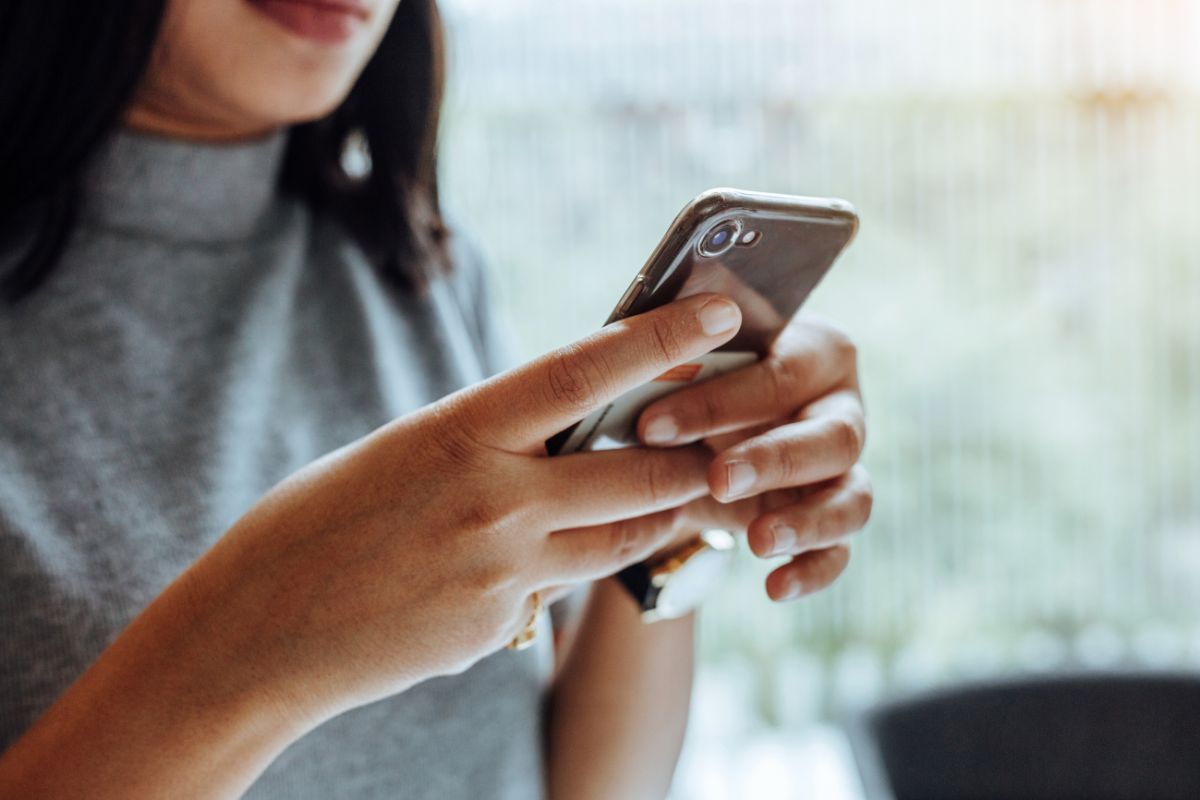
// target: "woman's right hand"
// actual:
[[413, 552], [408, 554]]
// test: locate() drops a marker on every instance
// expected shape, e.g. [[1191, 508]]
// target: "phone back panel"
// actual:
[[766, 251], [795, 241]]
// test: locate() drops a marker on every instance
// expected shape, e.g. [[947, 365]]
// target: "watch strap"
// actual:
[[636, 580]]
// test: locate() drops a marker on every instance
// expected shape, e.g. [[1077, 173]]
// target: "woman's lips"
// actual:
[[325, 21]]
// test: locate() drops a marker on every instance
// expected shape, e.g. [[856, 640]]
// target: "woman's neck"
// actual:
[[146, 116]]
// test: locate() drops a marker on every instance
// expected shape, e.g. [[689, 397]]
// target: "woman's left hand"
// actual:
[[788, 432]]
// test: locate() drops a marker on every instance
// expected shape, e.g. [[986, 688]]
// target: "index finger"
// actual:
[[526, 405]]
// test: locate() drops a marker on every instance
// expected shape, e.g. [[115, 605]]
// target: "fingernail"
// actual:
[[718, 316], [739, 476], [794, 589], [785, 539], [662, 430]]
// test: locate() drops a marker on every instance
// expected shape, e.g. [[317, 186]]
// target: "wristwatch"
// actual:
[[674, 582]]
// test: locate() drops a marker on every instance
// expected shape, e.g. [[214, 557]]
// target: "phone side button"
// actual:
[[631, 295]]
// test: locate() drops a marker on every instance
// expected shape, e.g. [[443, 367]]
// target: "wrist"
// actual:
[[612, 594], [201, 676], [674, 581], [232, 652]]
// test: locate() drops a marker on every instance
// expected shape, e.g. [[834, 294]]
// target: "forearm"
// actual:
[[620, 703], [160, 713]]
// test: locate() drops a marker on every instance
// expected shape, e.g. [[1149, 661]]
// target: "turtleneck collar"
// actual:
[[180, 190]]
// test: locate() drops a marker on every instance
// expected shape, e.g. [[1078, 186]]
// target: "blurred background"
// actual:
[[1024, 292]]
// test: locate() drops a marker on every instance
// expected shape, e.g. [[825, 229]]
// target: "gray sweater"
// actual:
[[202, 338]]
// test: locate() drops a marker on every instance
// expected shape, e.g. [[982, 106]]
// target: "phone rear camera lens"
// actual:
[[719, 239]]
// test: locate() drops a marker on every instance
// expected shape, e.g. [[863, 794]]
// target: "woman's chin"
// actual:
[[293, 106], [315, 111]]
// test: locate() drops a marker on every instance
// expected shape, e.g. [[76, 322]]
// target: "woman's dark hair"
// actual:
[[69, 70]]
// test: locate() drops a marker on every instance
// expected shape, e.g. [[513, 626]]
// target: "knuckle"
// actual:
[[481, 513], [457, 449], [759, 536], [624, 541], [672, 520], [711, 411], [461, 408], [596, 557], [841, 522], [659, 482], [576, 377], [666, 339], [454, 432], [661, 528], [492, 580], [786, 462], [785, 377], [862, 478], [632, 539], [844, 346], [842, 558], [804, 521], [848, 439], [516, 493], [833, 564], [840, 344]]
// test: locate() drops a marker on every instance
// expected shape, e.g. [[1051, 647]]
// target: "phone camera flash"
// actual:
[[749, 239]]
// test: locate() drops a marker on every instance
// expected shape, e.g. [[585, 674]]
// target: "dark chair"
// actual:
[[1093, 736]]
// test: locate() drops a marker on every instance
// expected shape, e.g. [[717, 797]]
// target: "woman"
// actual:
[[201, 302]]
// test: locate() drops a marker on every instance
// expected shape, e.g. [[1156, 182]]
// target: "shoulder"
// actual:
[[470, 268], [477, 289]]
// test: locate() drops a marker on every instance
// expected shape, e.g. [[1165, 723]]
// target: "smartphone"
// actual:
[[767, 252]]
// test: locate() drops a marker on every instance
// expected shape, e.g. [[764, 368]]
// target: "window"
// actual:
[[1024, 290]]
